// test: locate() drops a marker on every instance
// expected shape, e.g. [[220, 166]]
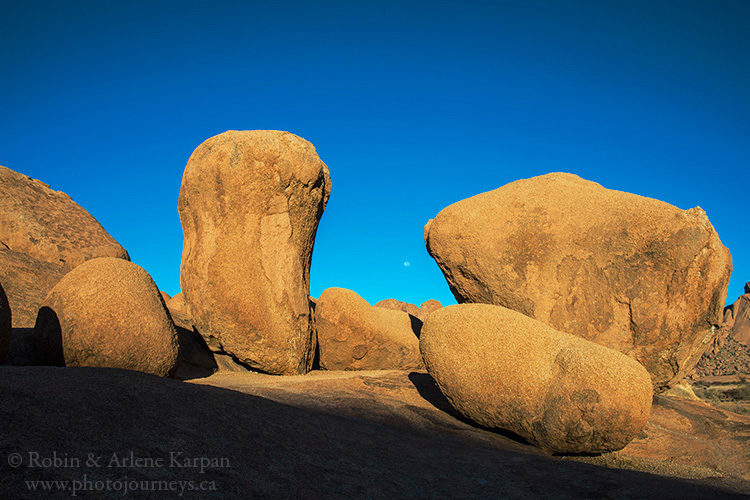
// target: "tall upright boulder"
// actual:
[[250, 203], [43, 235], [628, 272]]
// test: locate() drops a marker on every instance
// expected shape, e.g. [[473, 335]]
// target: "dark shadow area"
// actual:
[[266, 449], [23, 349], [429, 390], [194, 358], [416, 325], [48, 338]]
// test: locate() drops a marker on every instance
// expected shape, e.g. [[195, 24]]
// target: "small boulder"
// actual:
[[505, 370], [427, 307], [5, 322], [625, 271], [398, 305], [178, 309], [165, 296], [107, 312], [352, 335], [250, 202], [420, 312]]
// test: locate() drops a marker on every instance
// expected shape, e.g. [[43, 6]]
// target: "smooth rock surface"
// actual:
[[507, 371], [250, 203], [107, 312], [628, 272], [352, 335]]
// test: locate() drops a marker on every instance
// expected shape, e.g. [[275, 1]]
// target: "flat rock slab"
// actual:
[[350, 435]]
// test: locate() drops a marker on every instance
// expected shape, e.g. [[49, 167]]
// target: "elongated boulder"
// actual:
[[563, 393], [5, 321], [250, 203], [628, 272], [107, 312], [352, 335], [43, 235]]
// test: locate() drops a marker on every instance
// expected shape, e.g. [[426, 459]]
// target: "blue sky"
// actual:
[[412, 105]]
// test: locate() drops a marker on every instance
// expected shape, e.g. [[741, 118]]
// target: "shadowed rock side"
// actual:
[[48, 225], [107, 312], [5, 320], [505, 370], [250, 203], [344, 435], [420, 312], [27, 282], [352, 335], [628, 272]]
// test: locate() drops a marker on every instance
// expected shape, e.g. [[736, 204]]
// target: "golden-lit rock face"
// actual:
[[250, 203], [628, 272], [563, 393], [352, 335], [107, 313]]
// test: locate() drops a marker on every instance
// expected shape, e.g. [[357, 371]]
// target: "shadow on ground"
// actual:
[[263, 448]]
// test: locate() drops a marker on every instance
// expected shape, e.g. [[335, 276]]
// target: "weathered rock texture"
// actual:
[[505, 370], [352, 335], [5, 329], [107, 312], [420, 312], [43, 235], [48, 225], [628, 272], [250, 203]]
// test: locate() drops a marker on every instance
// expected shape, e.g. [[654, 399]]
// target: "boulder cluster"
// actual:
[[576, 302]]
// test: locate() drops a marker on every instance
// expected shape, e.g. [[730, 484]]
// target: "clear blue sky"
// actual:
[[413, 106]]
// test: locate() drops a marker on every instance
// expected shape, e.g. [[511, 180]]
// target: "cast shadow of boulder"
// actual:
[[430, 392], [48, 340], [194, 358]]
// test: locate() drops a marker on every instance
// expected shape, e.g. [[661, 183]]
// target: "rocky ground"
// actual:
[[376, 434]]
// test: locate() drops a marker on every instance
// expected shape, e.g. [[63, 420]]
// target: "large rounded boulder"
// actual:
[[628, 272], [43, 235], [507, 371], [250, 203], [352, 335], [107, 312], [5, 322]]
